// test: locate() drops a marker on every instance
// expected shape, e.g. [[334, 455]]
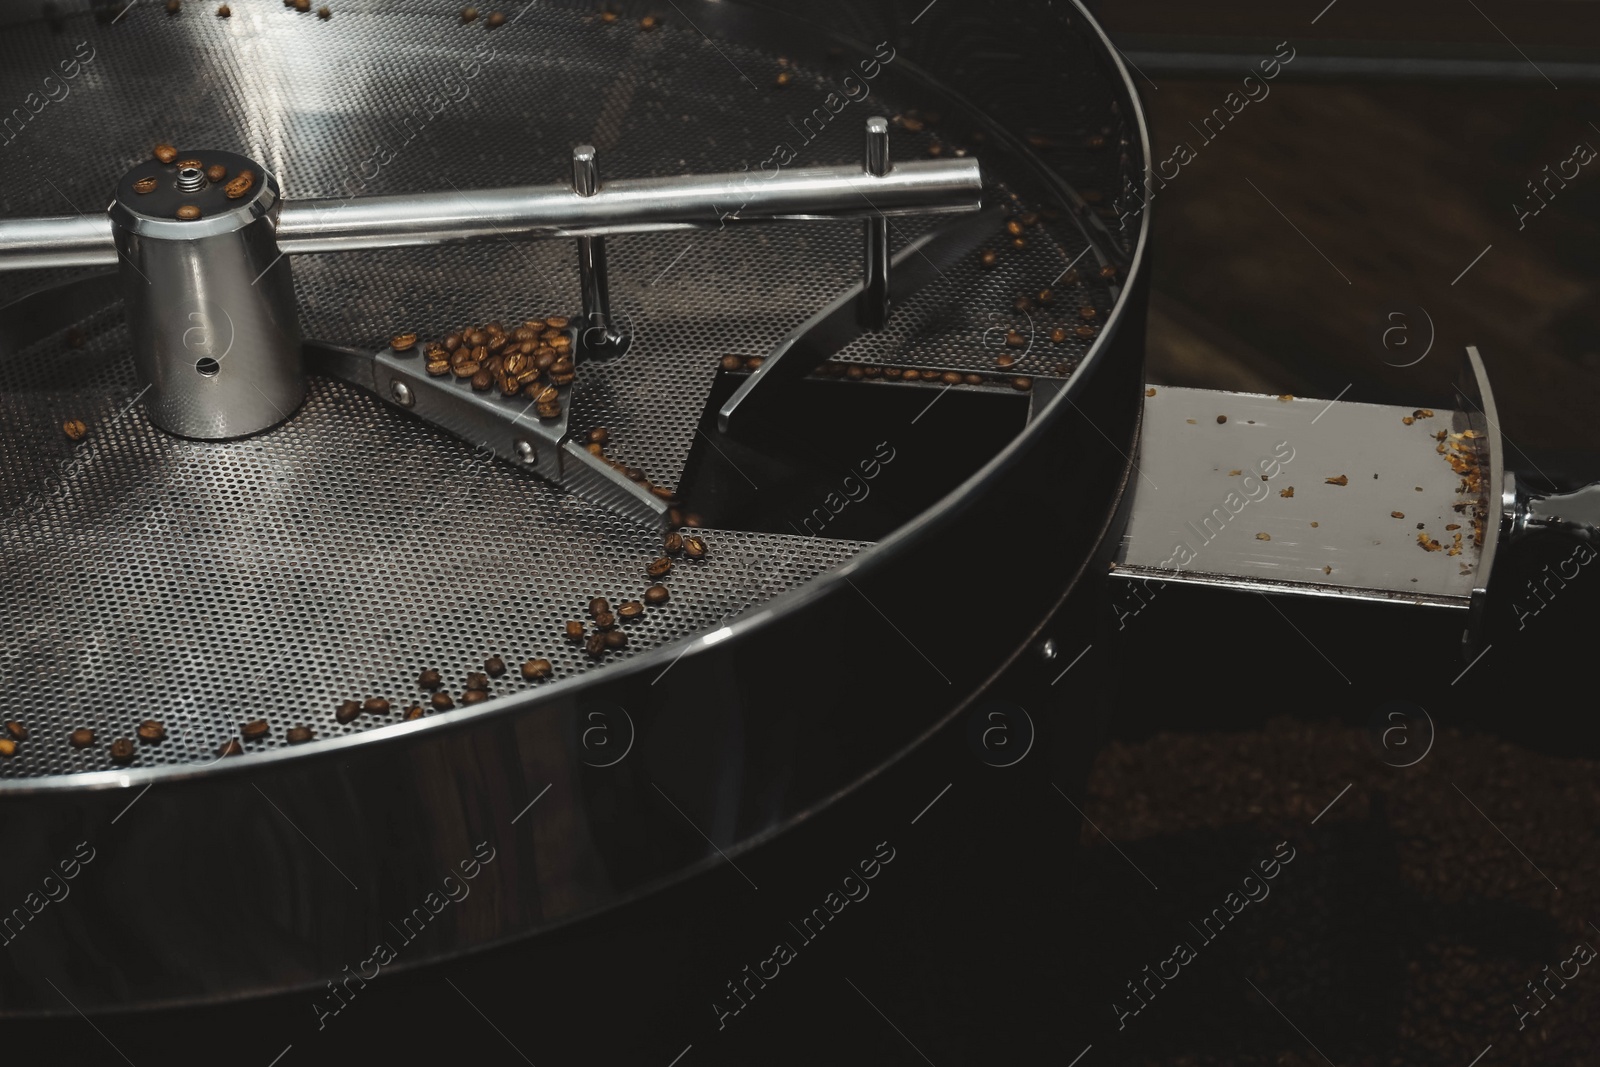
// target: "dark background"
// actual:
[[1212, 727]]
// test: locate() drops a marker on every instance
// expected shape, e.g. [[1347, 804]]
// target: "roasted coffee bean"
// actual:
[[494, 666], [629, 610], [413, 713], [595, 646], [224, 12], [474, 337], [662, 567], [973, 379], [950, 377], [468, 14], [347, 711], [547, 409], [482, 381], [152, 731], [656, 595], [935, 150], [298, 735], [1071, 277], [870, 372], [467, 369], [548, 395], [403, 342], [1108, 271], [8, 747], [605, 621], [231, 747], [439, 367], [241, 184], [562, 377], [616, 639], [634, 474], [255, 730], [165, 153], [988, 258], [145, 185], [478, 680], [574, 630], [190, 164], [1047, 297], [474, 696], [894, 373], [599, 606], [1088, 314], [528, 377], [544, 359], [673, 543], [1085, 332], [524, 332], [783, 79], [1058, 335], [441, 701], [430, 679], [1022, 303], [452, 342], [123, 750], [1004, 359], [608, 17], [82, 737], [496, 19], [302, 6], [376, 706], [695, 547], [324, 14], [649, 22], [514, 364], [1022, 385], [75, 429], [509, 387], [534, 669], [598, 435], [188, 213], [594, 449], [910, 374], [1015, 339], [17, 731], [1019, 243], [754, 363], [173, 7], [1013, 227]]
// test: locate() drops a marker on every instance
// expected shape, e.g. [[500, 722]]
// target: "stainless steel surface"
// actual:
[[1201, 505], [640, 205], [600, 336], [202, 583], [629, 205], [57, 241], [210, 302], [917, 270], [1575, 513], [875, 234]]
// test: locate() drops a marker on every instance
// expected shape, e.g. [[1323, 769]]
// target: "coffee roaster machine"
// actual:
[[854, 304]]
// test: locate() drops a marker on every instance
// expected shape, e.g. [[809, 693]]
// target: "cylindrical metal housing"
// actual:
[[209, 299]]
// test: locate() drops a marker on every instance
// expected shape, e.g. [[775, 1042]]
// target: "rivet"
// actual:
[[525, 451], [402, 394]]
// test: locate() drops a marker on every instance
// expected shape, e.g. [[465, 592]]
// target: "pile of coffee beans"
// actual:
[[533, 361]]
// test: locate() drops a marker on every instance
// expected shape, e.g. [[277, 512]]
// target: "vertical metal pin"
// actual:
[[875, 244], [600, 337]]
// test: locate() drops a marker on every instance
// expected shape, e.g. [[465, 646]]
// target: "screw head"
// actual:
[[402, 394], [525, 452], [1047, 650]]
